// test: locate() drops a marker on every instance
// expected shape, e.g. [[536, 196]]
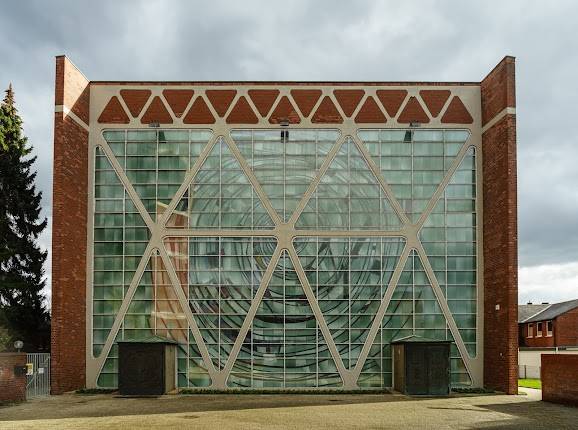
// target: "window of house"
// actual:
[[549, 328], [539, 329], [530, 330]]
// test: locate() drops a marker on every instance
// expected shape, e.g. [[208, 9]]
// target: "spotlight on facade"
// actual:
[[415, 124], [284, 122], [154, 125]]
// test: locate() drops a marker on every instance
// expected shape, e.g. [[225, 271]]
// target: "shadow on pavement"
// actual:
[[517, 413], [85, 406], [535, 415]]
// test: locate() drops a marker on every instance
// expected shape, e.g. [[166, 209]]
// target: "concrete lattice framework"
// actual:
[[286, 232]]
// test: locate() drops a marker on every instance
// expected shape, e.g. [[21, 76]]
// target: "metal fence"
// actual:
[[528, 372], [38, 375]]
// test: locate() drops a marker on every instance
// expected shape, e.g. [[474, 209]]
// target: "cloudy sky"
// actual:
[[331, 40]]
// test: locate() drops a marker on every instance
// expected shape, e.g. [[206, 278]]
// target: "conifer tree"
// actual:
[[23, 312]]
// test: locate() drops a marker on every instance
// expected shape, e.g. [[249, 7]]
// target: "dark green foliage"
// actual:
[[6, 340], [252, 391], [467, 390], [23, 313], [95, 391]]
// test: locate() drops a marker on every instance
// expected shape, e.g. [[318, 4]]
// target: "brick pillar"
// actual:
[[69, 211], [500, 228], [12, 386], [559, 373]]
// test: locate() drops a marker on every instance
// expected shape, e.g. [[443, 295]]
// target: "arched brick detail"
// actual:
[[199, 113], [327, 113], [135, 100], [263, 100], [370, 113], [457, 113], [157, 112], [113, 113], [413, 112], [348, 99], [434, 100], [284, 111], [221, 100], [178, 100], [391, 100], [305, 100], [242, 113]]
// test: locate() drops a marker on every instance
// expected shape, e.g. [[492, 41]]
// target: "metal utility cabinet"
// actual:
[[421, 366], [146, 367]]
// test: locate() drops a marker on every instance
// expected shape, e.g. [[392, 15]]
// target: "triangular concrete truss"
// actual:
[[284, 230]]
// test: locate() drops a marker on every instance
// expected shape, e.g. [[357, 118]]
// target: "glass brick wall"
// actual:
[[284, 347], [413, 163], [349, 276], [348, 240], [285, 163]]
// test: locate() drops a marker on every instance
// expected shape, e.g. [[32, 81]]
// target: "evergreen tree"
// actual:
[[23, 311]]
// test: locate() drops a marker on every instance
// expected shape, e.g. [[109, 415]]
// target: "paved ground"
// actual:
[[289, 412]]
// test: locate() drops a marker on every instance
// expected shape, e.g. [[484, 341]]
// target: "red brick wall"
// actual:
[[499, 89], [500, 231], [559, 376], [566, 329], [12, 387], [69, 231], [72, 89]]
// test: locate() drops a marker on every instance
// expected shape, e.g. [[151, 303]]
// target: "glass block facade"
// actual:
[[279, 258], [285, 163], [285, 347], [349, 277], [413, 162], [156, 162], [120, 240], [348, 197]]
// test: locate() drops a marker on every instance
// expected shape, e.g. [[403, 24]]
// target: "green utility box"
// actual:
[[146, 367], [421, 366]]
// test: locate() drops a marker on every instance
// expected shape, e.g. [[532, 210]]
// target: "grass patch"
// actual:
[[530, 383]]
